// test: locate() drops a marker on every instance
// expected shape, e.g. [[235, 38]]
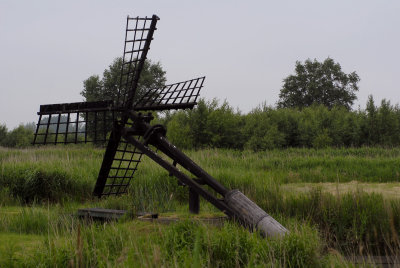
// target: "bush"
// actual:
[[213, 125], [3, 133], [39, 185], [18, 137], [209, 124]]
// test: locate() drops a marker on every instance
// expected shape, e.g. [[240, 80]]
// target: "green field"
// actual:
[[335, 202]]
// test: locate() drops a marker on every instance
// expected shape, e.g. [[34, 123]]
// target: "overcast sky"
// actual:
[[244, 48]]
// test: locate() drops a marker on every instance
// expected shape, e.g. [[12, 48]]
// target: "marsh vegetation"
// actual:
[[336, 202]]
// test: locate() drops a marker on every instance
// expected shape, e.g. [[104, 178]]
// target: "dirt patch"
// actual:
[[388, 190]]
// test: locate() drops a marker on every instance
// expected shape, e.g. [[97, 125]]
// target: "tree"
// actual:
[[209, 124], [3, 133], [319, 83], [18, 137], [106, 88], [371, 126]]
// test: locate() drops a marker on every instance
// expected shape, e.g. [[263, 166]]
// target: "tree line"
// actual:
[[313, 110], [219, 125], [21, 136]]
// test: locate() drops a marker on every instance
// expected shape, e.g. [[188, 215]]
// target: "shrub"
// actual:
[[39, 185]]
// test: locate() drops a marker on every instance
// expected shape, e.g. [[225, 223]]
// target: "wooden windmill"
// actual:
[[131, 134]]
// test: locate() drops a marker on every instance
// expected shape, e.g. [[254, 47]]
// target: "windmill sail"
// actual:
[[182, 95], [79, 122], [121, 159]]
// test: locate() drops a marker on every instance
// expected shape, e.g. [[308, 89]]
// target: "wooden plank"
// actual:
[[381, 261], [101, 213]]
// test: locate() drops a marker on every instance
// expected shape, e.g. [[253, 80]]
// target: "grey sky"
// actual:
[[244, 48]]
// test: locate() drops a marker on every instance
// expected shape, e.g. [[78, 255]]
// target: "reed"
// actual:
[[42, 187]]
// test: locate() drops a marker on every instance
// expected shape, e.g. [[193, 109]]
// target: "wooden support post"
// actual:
[[194, 201]]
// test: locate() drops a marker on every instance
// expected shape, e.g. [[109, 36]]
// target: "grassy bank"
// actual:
[[289, 184], [53, 238]]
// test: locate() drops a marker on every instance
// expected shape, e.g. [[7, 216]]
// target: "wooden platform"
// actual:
[[217, 221], [110, 214], [379, 261], [101, 213]]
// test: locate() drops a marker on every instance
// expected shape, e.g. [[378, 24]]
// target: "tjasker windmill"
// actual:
[[132, 134]]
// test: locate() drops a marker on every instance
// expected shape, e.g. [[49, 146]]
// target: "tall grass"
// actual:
[[55, 173], [355, 221], [183, 244]]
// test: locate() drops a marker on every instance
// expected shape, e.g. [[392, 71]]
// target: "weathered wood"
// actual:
[[101, 213], [75, 107], [252, 215], [194, 201], [380, 261], [217, 221]]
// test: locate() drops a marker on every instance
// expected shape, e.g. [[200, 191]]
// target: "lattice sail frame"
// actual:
[[85, 122], [118, 170], [70, 122], [121, 159], [175, 96], [136, 45]]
